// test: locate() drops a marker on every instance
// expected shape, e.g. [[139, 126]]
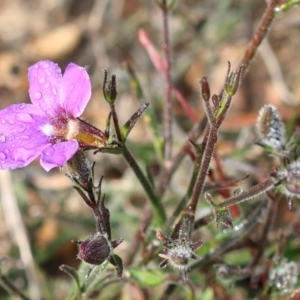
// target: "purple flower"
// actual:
[[50, 126]]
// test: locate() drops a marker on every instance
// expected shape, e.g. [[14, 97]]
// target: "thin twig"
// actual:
[[206, 159], [12, 288], [160, 65], [253, 192], [168, 88], [260, 34]]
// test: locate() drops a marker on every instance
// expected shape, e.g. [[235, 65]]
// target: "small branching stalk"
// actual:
[[98, 248], [117, 145], [179, 248]]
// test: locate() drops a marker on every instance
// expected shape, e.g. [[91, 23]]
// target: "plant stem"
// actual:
[[231, 86], [158, 209], [206, 158], [12, 288], [182, 204], [260, 33], [168, 88], [253, 192]]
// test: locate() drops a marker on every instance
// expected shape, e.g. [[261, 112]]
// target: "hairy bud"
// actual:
[[284, 275], [110, 89], [270, 127], [95, 249]]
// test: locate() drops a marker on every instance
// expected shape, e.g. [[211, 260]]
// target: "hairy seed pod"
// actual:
[[95, 250], [79, 169], [270, 127], [180, 256]]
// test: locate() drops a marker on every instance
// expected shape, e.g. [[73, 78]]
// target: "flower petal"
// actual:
[[76, 89], [21, 142], [58, 154], [18, 116], [44, 79]]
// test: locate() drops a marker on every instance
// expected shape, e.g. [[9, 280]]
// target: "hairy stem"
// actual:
[[182, 204], [253, 192], [260, 33], [206, 158]]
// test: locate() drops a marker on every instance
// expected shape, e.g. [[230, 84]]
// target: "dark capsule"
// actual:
[[95, 250]]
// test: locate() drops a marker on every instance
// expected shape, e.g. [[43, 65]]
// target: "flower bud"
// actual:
[[233, 80], [95, 250], [110, 89], [205, 91], [270, 127], [79, 169]]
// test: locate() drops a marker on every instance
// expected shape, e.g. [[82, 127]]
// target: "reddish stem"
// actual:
[[168, 86], [260, 33]]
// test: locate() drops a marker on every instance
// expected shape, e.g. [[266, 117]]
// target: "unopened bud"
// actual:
[[95, 250], [80, 169], [270, 127], [205, 91], [110, 89], [233, 79]]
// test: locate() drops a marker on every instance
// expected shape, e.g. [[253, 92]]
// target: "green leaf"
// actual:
[[288, 5], [75, 290], [149, 115], [238, 257], [208, 294], [147, 278], [126, 129], [92, 283]]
